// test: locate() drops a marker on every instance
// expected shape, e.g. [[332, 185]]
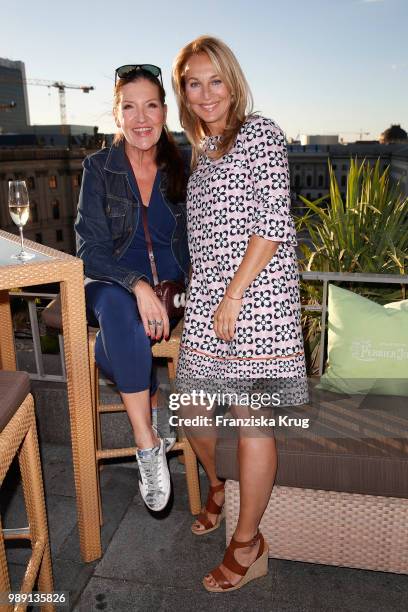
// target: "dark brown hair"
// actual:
[[168, 157]]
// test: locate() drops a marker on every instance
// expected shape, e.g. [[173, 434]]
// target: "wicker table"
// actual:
[[51, 266]]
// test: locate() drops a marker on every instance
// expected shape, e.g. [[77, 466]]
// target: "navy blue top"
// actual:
[[161, 227]]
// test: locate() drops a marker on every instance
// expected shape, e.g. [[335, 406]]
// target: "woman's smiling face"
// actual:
[[207, 95], [140, 114]]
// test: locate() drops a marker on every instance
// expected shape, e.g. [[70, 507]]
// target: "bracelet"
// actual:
[[232, 298]]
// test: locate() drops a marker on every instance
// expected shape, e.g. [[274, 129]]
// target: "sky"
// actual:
[[314, 66]]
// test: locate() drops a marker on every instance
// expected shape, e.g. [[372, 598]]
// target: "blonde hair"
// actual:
[[228, 69]]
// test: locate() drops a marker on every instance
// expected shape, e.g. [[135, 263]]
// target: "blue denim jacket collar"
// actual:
[[116, 162]]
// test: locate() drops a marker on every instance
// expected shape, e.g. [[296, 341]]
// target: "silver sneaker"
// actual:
[[154, 477], [168, 442]]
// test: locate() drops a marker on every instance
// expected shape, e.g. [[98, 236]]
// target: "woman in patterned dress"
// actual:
[[242, 319]]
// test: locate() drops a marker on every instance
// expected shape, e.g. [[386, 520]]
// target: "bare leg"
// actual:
[[257, 470], [138, 408], [257, 466], [154, 399], [204, 448]]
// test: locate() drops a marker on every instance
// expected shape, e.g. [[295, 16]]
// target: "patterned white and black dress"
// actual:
[[245, 192]]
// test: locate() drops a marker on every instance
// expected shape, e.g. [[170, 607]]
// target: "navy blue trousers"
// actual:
[[122, 350]]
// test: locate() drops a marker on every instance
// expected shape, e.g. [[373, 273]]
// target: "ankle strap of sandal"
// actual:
[[229, 559], [235, 544]]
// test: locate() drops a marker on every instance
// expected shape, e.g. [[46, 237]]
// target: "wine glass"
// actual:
[[19, 207]]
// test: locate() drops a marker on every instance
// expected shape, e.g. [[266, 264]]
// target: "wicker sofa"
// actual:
[[341, 493]]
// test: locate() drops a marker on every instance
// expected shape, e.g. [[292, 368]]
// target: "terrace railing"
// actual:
[[324, 277], [34, 334]]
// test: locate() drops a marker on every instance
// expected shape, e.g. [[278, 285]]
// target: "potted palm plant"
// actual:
[[367, 231]]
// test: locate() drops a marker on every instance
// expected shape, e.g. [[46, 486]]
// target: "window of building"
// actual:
[[59, 235], [297, 181], [334, 166], [344, 167], [343, 180], [33, 212], [52, 181], [319, 195], [31, 182], [297, 167], [76, 180], [55, 209], [308, 181], [320, 180], [308, 196]]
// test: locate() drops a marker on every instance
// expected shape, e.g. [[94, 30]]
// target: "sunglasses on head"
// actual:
[[129, 70]]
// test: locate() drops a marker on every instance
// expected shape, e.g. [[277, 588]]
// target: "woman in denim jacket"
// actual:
[[143, 167]]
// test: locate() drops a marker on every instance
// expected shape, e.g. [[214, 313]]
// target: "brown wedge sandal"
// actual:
[[258, 568], [213, 508]]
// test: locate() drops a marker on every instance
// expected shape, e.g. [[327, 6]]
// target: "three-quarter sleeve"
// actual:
[[266, 152]]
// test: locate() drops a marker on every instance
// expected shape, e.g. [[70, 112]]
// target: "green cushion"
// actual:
[[367, 345]]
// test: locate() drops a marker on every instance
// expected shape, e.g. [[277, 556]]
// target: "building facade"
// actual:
[[53, 178], [13, 89], [316, 139], [309, 171]]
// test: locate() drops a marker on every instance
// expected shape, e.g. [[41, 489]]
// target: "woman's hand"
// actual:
[[225, 317], [152, 312], [258, 254]]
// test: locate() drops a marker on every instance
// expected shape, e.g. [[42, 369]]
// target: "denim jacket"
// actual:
[[108, 214]]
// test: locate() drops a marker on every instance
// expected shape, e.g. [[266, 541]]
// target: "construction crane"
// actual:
[[61, 91], [360, 133]]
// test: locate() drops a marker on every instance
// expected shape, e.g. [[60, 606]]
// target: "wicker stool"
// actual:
[[168, 350], [18, 436]]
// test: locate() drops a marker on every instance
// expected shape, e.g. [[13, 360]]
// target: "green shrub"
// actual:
[[366, 232]]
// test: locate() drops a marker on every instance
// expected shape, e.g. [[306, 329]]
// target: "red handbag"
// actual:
[[172, 294]]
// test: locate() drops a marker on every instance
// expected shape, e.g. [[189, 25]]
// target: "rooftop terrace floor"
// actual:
[[155, 563]]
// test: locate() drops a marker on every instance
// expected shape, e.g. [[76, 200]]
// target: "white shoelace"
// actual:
[[150, 464]]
